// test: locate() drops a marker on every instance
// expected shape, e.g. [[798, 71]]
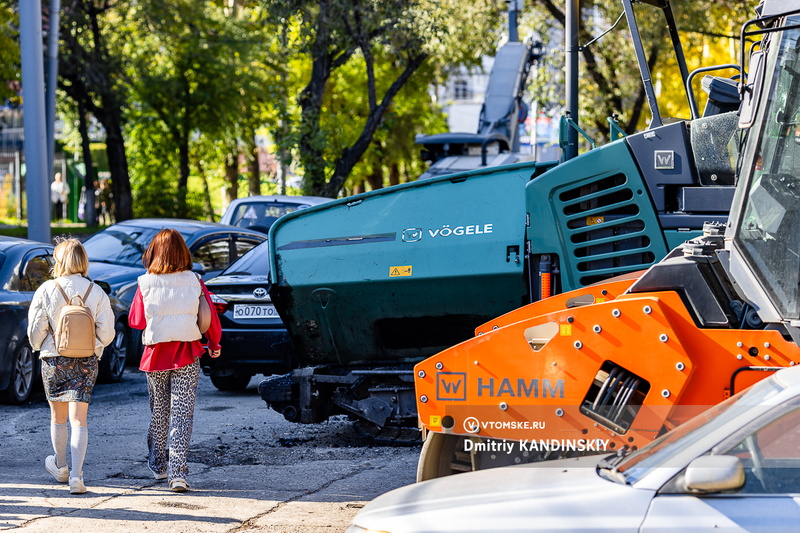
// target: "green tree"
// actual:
[[198, 71], [390, 40], [10, 69], [392, 156], [609, 77], [89, 73]]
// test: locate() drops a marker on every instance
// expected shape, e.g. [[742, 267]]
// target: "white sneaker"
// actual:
[[76, 485], [178, 485], [158, 476], [61, 474]]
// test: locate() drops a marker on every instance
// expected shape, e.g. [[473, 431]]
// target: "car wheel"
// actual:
[[236, 382], [112, 365], [23, 371]]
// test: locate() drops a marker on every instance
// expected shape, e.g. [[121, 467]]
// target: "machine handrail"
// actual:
[[690, 91], [564, 125]]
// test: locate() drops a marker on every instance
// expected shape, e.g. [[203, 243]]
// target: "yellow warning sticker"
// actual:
[[599, 300], [591, 221], [436, 421], [566, 330], [399, 271]]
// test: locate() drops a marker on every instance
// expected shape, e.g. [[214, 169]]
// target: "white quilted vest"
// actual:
[[170, 307]]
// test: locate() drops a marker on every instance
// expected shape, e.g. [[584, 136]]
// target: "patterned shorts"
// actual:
[[69, 379]]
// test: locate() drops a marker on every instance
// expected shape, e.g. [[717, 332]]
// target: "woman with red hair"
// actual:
[[166, 307]]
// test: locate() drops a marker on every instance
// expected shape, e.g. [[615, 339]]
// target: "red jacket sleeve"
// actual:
[[214, 333], [136, 318]]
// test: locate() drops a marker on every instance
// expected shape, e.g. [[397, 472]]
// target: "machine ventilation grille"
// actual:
[[604, 228]]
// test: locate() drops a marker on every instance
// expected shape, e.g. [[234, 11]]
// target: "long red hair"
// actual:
[[167, 253]]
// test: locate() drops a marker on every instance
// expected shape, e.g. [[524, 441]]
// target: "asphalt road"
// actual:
[[250, 470]]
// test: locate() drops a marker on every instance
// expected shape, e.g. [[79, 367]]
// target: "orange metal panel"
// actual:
[[527, 374]]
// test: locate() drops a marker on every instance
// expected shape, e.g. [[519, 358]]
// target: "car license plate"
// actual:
[[245, 311]]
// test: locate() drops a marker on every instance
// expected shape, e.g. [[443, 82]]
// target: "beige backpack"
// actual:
[[74, 335]]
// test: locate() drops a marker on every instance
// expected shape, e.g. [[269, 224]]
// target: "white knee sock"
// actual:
[[77, 448], [58, 435]]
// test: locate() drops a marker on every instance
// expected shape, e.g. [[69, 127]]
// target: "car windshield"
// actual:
[[260, 215], [253, 263], [659, 452], [122, 245]]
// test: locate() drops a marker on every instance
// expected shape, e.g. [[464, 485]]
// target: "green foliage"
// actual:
[[412, 112], [10, 70], [197, 79], [196, 73], [153, 168], [359, 54], [612, 84]]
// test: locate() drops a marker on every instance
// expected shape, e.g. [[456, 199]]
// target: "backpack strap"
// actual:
[[85, 296], [61, 290], [67, 298]]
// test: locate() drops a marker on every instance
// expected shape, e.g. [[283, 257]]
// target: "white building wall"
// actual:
[[463, 96]]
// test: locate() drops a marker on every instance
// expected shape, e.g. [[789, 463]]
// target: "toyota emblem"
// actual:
[[260, 293]]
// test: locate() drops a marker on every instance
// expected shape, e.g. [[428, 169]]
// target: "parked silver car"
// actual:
[[260, 212], [736, 467]]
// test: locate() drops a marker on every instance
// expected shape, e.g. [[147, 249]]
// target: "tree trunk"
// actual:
[[350, 156], [394, 174], [254, 177], [232, 176], [310, 145], [89, 213], [375, 179], [311, 103], [207, 207], [118, 165], [181, 209]]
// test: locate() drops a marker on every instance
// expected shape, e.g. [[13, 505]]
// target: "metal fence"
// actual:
[[13, 201]]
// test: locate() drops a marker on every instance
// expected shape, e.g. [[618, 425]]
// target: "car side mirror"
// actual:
[[199, 268], [714, 473], [104, 285]]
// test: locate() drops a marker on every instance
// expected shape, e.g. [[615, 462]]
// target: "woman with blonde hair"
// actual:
[[166, 307], [68, 381]]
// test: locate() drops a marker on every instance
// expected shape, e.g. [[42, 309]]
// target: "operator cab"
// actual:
[[764, 232]]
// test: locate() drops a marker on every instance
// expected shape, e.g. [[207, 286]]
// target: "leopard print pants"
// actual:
[[172, 398]]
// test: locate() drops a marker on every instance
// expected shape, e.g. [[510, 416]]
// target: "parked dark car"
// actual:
[[254, 339], [260, 212], [24, 266], [115, 254]]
